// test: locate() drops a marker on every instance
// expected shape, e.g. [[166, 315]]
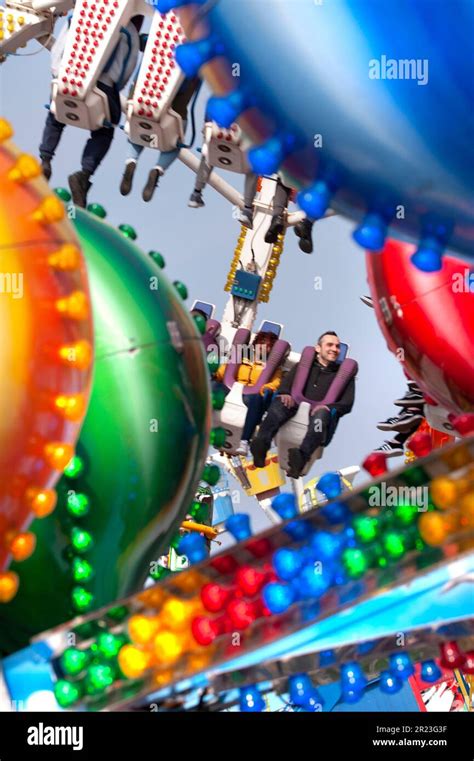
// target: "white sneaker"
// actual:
[[243, 448]]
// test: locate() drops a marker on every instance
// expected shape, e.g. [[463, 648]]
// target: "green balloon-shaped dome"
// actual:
[[141, 451]]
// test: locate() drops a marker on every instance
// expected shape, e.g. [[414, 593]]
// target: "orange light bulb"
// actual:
[[78, 355], [41, 501], [50, 210], [9, 583], [58, 455], [444, 492], [71, 407], [75, 306], [25, 168], [22, 546], [6, 130], [66, 258]]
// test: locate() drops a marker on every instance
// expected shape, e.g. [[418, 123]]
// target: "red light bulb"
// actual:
[[468, 667], [259, 548], [451, 656], [420, 443], [242, 613], [214, 597], [464, 424], [375, 464], [225, 563], [250, 580]]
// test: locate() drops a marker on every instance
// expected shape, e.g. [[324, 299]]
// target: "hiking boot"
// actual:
[[79, 185], [127, 179]]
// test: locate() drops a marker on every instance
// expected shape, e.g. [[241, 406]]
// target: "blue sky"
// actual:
[[198, 247]]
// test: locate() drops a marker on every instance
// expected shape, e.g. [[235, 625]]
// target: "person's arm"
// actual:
[[274, 383], [346, 402], [220, 372], [287, 382]]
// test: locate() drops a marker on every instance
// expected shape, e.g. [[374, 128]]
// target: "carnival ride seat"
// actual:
[[225, 148], [234, 412], [291, 434]]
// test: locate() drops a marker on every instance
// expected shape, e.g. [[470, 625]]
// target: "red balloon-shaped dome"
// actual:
[[428, 321]]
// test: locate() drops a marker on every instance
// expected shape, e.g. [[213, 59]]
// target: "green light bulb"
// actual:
[[181, 289], [157, 258], [81, 540], [78, 504], [355, 562], [66, 693], [218, 437], [200, 323], [394, 545], [159, 573], [211, 474], [75, 467], [415, 476], [109, 644], [218, 399], [406, 514], [366, 527], [63, 194], [81, 599], [82, 570], [98, 678], [97, 209], [73, 661], [128, 231]]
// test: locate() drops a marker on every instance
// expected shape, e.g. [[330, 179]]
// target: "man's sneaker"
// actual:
[[127, 179], [246, 217], [390, 449], [413, 386], [79, 185], [152, 183], [411, 399], [259, 449], [403, 422], [367, 300], [196, 200], [243, 448], [296, 463], [46, 168], [303, 231], [276, 228]]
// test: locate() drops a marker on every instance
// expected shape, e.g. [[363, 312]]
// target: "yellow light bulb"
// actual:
[[9, 583], [41, 501], [22, 546], [21, 20], [50, 210], [6, 130], [176, 614], [167, 647], [71, 407], [67, 258], [75, 306], [58, 455], [133, 662], [444, 492], [467, 509], [142, 629], [77, 355], [26, 168]]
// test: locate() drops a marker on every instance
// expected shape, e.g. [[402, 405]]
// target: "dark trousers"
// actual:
[[321, 428], [256, 405], [99, 141]]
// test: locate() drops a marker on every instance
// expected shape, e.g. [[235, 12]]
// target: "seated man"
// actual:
[[248, 373], [323, 419]]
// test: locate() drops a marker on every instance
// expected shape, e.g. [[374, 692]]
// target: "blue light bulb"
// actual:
[[336, 513], [300, 687], [330, 485], [351, 696], [389, 683], [327, 546], [313, 580], [314, 201], [287, 563], [194, 547], [278, 597], [251, 700], [326, 658], [400, 665], [352, 677], [430, 671], [285, 506], [299, 530], [372, 232], [239, 526]]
